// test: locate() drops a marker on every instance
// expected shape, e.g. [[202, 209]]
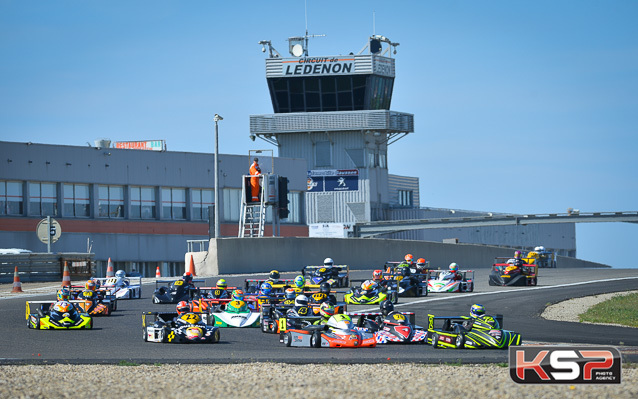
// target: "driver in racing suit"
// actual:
[[301, 308], [326, 310]]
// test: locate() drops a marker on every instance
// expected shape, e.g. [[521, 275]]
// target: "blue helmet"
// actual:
[[477, 310], [300, 281], [266, 288]]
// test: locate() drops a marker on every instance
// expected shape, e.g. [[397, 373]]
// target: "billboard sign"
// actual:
[[333, 180], [151, 145]]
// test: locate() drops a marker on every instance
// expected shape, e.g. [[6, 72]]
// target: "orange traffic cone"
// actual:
[[157, 273], [66, 276], [17, 285], [191, 267], [109, 269]]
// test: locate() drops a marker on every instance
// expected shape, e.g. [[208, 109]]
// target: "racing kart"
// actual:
[[463, 332], [173, 328], [396, 327], [322, 336], [506, 274], [40, 317], [123, 288], [274, 319], [175, 292], [442, 281], [100, 295], [232, 314], [407, 285], [337, 276], [356, 296]]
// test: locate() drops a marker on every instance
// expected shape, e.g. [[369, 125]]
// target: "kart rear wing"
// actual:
[[169, 282], [445, 322], [195, 292], [308, 270], [530, 269], [281, 284], [362, 316], [467, 274]]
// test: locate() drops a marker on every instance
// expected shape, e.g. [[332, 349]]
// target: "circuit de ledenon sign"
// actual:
[[309, 66]]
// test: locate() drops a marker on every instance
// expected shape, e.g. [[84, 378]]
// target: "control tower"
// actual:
[[334, 111]]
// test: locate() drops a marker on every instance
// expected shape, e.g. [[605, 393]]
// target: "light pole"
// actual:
[[217, 118]]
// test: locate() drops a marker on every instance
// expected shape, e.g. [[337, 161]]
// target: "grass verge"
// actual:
[[622, 309]]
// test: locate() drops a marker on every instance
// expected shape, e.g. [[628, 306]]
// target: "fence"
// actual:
[[45, 267]]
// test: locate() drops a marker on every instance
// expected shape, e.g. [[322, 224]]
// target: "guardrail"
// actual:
[[45, 267], [371, 229]]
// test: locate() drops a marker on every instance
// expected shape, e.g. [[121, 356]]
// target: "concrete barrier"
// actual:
[[258, 255]]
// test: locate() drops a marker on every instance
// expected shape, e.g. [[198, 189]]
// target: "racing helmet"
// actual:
[[90, 285], [274, 275], [182, 307], [328, 262], [327, 309], [301, 300], [340, 321], [324, 288], [290, 293], [221, 283], [266, 288], [300, 281], [63, 307], [187, 277], [237, 306], [477, 310], [517, 254], [238, 295], [377, 275], [386, 307], [63, 294], [368, 286], [454, 267], [194, 332], [192, 318], [120, 274], [409, 258], [420, 262]]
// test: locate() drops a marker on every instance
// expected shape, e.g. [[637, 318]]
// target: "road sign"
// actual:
[[46, 231]]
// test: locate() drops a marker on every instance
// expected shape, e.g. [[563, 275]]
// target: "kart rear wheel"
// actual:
[[264, 326], [435, 340], [287, 339], [459, 343], [315, 339], [155, 299]]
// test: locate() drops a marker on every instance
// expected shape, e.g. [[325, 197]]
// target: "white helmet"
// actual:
[[120, 274], [301, 300], [454, 267], [328, 262]]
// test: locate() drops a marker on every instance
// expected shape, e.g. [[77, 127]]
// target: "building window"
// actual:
[[43, 199], [231, 201], [201, 200], [405, 198], [11, 198], [383, 159], [76, 200], [111, 202], [323, 153], [143, 203], [294, 208], [174, 203]]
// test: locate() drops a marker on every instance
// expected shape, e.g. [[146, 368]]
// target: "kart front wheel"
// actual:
[[315, 339], [287, 339], [216, 336], [145, 334], [435, 340], [459, 343]]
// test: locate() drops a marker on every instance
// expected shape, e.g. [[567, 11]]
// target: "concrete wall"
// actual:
[[254, 255]]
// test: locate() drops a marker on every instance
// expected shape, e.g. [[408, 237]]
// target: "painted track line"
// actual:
[[470, 294]]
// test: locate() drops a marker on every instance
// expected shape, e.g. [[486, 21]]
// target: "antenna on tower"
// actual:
[[374, 23], [298, 45]]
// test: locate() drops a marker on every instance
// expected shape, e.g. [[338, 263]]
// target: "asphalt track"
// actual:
[[119, 337]]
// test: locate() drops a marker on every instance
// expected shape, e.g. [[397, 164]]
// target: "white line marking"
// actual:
[[468, 294]]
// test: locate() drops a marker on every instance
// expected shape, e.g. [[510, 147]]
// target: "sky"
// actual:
[[519, 107]]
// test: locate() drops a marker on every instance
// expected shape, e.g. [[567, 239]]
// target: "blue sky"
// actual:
[[526, 107]]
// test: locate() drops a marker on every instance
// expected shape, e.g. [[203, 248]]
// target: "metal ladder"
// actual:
[[253, 215]]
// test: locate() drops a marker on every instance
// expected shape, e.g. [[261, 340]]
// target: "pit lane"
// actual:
[[119, 337]]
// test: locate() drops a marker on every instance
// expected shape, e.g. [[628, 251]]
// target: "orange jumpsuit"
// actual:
[[255, 170]]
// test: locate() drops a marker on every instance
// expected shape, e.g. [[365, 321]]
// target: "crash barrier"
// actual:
[[45, 267], [293, 253]]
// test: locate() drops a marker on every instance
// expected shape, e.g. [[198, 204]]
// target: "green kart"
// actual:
[[464, 332]]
